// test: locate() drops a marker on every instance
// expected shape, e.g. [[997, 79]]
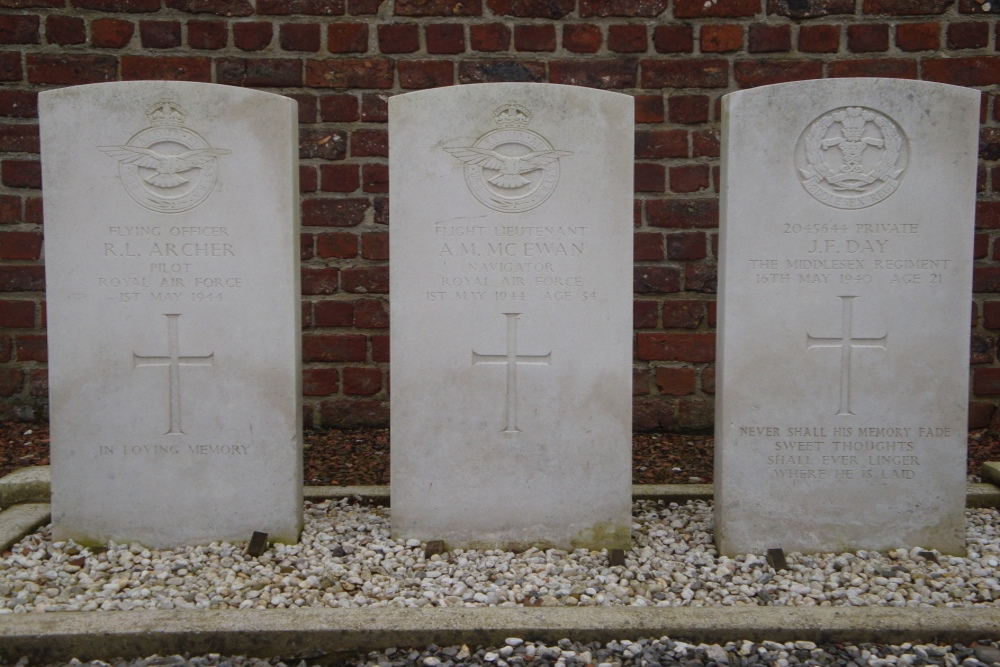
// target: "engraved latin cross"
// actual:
[[173, 361], [512, 359], [846, 342]]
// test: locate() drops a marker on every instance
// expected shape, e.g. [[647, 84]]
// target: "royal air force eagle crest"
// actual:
[[511, 168], [166, 167], [852, 157]]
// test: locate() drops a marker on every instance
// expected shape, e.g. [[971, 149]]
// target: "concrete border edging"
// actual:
[[303, 633]]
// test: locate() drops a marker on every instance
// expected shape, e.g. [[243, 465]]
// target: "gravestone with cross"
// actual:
[[171, 236], [846, 260], [511, 209]]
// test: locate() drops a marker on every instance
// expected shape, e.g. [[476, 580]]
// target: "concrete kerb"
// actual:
[[305, 633]]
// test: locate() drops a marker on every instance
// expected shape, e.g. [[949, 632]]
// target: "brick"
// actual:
[[649, 177], [347, 37], [174, 68], [683, 314], [986, 381], [673, 39], [362, 381], [676, 381], [980, 246], [721, 38], [645, 314], [421, 74], [691, 9], [10, 66], [918, 36], [906, 7], [380, 206], [705, 143], [980, 415], [303, 7], [10, 210], [683, 213], [320, 280], [819, 38], [354, 413], [364, 7], [160, 34], [207, 35], [380, 348], [891, 68], [981, 349], [701, 277], [375, 108], [582, 38], [375, 246], [334, 347], [686, 246], [18, 103], [540, 37], [868, 38], [320, 381], [307, 105], [640, 381], [339, 108], [991, 314], [438, 8], [6, 348], [653, 414], [695, 414], [444, 39], [489, 37], [11, 381], [989, 143], [749, 74], [375, 178], [349, 73], [647, 246], [986, 279], [32, 348], [20, 245], [686, 109], [340, 177], [966, 71], [299, 37], [371, 314], [33, 210], [259, 72], [399, 38], [622, 8], [308, 179], [686, 73], [968, 35], [532, 9], [689, 178], [339, 245], [17, 314], [335, 313], [649, 108], [612, 74], [20, 29], [218, 7], [28, 4], [326, 212], [809, 9], [21, 174], [19, 138], [690, 347], [769, 38], [366, 280], [627, 38], [493, 71], [22, 278], [369, 143], [117, 5], [656, 280], [71, 69], [254, 36]]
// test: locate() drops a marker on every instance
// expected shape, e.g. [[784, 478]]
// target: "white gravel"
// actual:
[[347, 559]]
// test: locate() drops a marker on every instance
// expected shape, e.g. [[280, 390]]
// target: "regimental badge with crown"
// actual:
[[511, 168], [852, 157], [166, 167]]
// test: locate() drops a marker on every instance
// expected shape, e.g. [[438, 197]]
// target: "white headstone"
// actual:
[[511, 283], [171, 240], [843, 349]]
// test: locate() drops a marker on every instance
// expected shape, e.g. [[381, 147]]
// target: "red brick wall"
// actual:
[[341, 59]]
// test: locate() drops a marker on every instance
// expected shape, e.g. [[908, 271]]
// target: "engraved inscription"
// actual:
[[510, 169], [173, 361], [851, 157], [846, 342], [511, 359], [166, 167]]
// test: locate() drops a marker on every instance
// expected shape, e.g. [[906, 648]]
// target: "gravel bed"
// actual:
[[347, 559]]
